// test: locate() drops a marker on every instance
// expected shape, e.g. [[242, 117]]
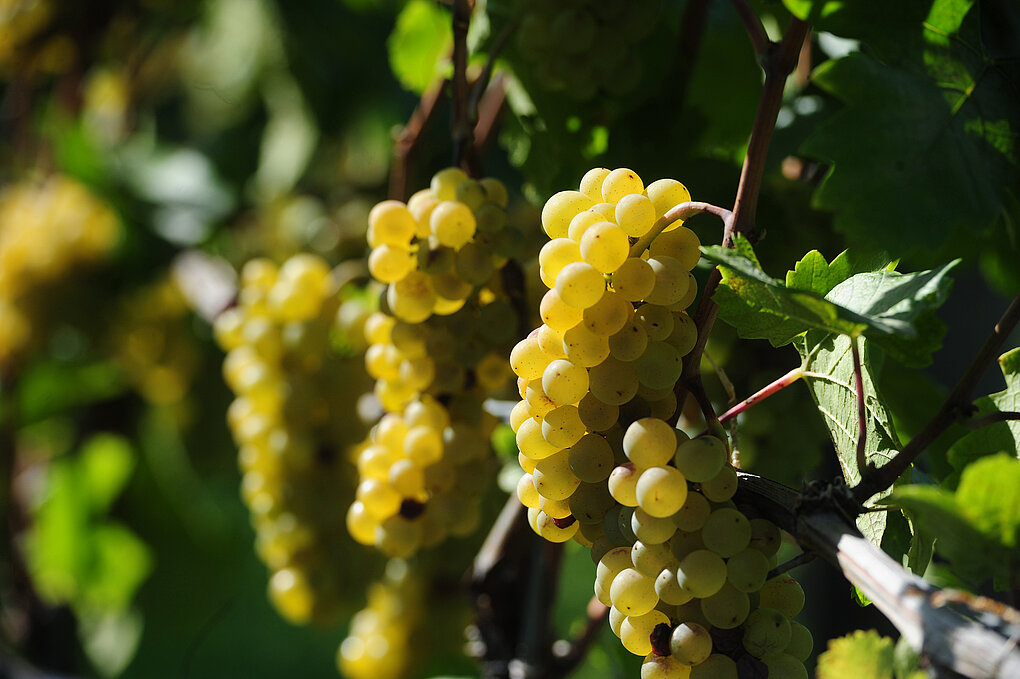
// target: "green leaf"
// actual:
[[925, 146], [1001, 436], [829, 359], [419, 44], [119, 564], [52, 387], [860, 655], [892, 309], [104, 465], [978, 527]]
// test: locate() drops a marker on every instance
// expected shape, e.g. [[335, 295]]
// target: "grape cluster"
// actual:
[[436, 350], [291, 420], [678, 563], [46, 230], [382, 636], [558, 39]]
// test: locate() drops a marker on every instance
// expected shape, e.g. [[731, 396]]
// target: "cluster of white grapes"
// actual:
[[46, 230], [436, 350], [381, 643], [291, 419], [558, 38], [677, 561]]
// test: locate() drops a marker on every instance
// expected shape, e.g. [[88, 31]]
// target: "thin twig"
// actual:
[[862, 412], [755, 31], [679, 212], [461, 126], [768, 390], [992, 418], [787, 566], [724, 380], [955, 406]]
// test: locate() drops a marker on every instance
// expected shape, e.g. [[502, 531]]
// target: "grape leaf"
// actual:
[[924, 149], [419, 44], [1001, 436], [829, 360], [860, 655], [978, 526], [893, 310]]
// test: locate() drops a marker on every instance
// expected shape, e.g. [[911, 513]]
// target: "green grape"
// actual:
[[801, 642], [471, 193], [562, 427], [747, 570], [389, 263], [407, 478], [412, 298], [636, 631], [527, 359], [765, 536], [726, 532], [580, 223], [635, 214], [619, 183], [560, 209], [553, 478], [609, 566], [663, 408], [629, 343], [558, 314], [474, 264], [702, 573], [390, 223], [684, 335], [671, 281], [604, 246], [650, 529], [580, 285], [490, 219], [608, 315], [623, 517], [623, 482], [398, 537], [717, 666], [591, 458], [692, 292], [433, 258], [555, 509], [591, 183], [649, 442], [656, 320], [681, 244], [445, 182], [531, 442], [650, 559], [526, 492], [555, 255], [546, 527], [690, 643], [495, 192], [722, 486], [661, 491], [361, 524], [597, 415], [585, 348], [659, 367], [766, 631], [449, 286], [727, 608], [423, 445], [613, 382], [452, 223], [664, 667], [634, 280], [551, 342], [590, 502], [668, 589], [633, 593], [565, 382], [666, 194], [784, 594], [785, 666]]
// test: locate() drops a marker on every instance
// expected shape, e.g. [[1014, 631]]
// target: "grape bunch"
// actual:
[[556, 40], [291, 421], [436, 350], [47, 229], [382, 639], [678, 562]]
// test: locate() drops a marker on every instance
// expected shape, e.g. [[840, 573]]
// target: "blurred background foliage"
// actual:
[[148, 148]]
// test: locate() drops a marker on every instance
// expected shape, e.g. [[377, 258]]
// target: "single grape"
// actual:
[[786, 666], [784, 594], [553, 478], [580, 285], [562, 427], [452, 223], [671, 281], [623, 482], [666, 194], [591, 183], [649, 442], [565, 382], [726, 532], [690, 643], [727, 608], [558, 314], [664, 667], [591, 458], [633, 593], [635, 214], [652, 530], [634, 280], [766, 631], [560, 209], [650, 559], [608, 315], [747, 570], [765, 536], [702, 573], [661, 491], [801, 642], [613, 382], [597, 415], [717, 666], [656, 320], [659, 367], [636, 631], [722, 486], [604, 246], [619, 183]]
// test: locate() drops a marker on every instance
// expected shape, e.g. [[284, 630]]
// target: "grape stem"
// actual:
[[960, 638], [679, 212], [992, 418], [957, 405], [862, 411], [763, 393], [787, 566], [755, 31]]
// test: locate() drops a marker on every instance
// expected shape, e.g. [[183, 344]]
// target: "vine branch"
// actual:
[[755, 31], [956, 405], [862, 412]]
